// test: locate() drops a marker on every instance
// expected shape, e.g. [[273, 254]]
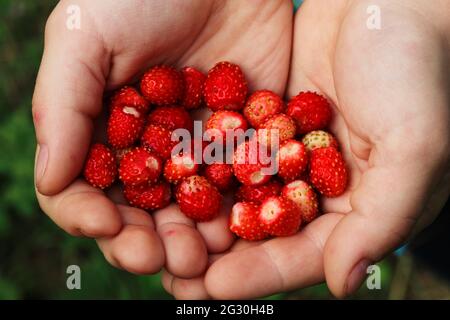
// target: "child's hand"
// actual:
[[116, 41], [391, 93]]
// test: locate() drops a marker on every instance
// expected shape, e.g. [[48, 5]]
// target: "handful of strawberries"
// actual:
[[142, 137]]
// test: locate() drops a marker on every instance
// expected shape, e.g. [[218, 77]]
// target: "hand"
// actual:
[[117, 41], [390, 90]]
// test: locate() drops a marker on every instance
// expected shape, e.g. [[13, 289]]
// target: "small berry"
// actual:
[[244, 221], [129, 97], [223, 123], [125, 125], [304, 196], [292, 160], [180, 166], [193, 94], [280, 216], [310, 111], [139, 166], [279, 124], [171, 118], [162, 85], [319, 139], [261, 105], [220, 175], [247, 165], [100, 169], [148, 197], [258, 194], [225, 87], [158, 140]]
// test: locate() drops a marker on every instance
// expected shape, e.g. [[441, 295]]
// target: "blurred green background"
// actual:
[[34, 253]]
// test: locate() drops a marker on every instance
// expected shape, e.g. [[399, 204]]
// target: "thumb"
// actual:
[[386, 205], [68, 95]]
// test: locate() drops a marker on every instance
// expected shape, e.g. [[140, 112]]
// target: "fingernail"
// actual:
[[41, 162], [357, 276]]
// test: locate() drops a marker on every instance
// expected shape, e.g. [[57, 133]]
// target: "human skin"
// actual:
[[390, 91], [390, 94]]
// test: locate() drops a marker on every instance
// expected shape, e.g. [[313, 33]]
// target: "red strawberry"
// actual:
[[220, 174], [180, 166], [193, 94], [244, 221], [328, 173], [292, 160], [310, 110], [247, 165], [100, 169], [125, 125], [225, 122], [158, 140], [120, 153], [129, 97], [281, 124], [162, 85], [171, 118], [225, 87], [198, 198], [319, 139], [304, 196], [148, 197], [280, 216], [139, 166], [258, 194], [261, 105]]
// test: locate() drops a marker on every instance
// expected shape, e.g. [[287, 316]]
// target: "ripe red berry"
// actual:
[[198, 198], [193, 94], [129, 97], [148, 197], [304, 196], [319, 139], [258, 194], [292, 160], [280, 124], [139, 166], [180, 166], [244, 221], [248, 166], [125, 125], [158, 140], [225, 122], [220, 175], [162, 85], [100, 169], [120, 153], [280, 216], [171, 117], [261, 105], [310, 110], [328, 173], [225, 87]]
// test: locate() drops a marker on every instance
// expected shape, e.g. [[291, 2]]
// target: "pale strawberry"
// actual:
[[262, 105], [319, 139], [244, 221], [280, 216], [304, 196]]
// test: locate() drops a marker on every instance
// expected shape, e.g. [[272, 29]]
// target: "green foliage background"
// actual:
[[34, 253]]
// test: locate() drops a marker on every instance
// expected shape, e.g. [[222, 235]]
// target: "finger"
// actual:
[[68, 95], [137, 248], [186, 253], [216, 233], [185, 289], [82, 210], [277, 265]]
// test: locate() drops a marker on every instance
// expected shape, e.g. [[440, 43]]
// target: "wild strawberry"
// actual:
[[125, 125], [225, 87], [100, 169], [310, 110], [244, 221], [319, 139], [279, 124], [304, 196], [158, 140], [120, 153], [198, 198], [280, 216], [225, 122], [171, 117], [292, 160], [148, 197], [180, 166], [129, 97], [328, 173], [248, 166], [220, 175], [139, 166], [261, 105], [193, 94], [162, 85], [258, 194]]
